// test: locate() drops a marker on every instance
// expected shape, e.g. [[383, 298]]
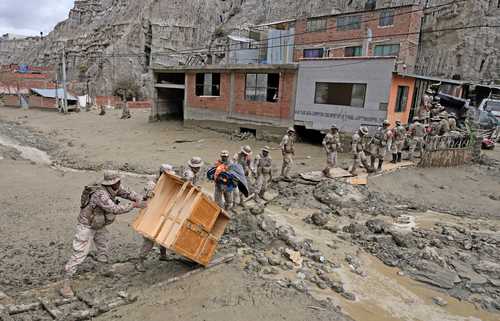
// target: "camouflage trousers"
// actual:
[[359, 158], [85, 236], [331, 160], [147, 246], [397, 146], [416, 143], [287, 164], [262, 184], [378, 151], [223, 197]]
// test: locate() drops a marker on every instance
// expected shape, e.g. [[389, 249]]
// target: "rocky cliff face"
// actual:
[[111, 40]]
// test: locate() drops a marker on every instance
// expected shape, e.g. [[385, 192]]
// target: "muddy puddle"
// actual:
[[383, 294]]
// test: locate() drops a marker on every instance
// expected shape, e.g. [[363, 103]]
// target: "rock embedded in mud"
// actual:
[[338, 287], [376, 226], [403, 239], [337, 194], [257, 209], [349, 296], [319, 219], [439, 301]]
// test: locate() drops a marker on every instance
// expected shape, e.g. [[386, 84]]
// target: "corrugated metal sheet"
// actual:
[[51, 93]]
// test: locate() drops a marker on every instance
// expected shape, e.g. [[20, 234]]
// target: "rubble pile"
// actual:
[[462, 262]]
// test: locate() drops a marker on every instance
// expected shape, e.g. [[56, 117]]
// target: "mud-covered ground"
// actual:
[[436, 230]]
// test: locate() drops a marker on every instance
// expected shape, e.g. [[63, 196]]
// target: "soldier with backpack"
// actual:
[[99, 208]]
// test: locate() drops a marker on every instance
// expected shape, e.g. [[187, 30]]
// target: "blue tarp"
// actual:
[[234, 176], [51, 93]]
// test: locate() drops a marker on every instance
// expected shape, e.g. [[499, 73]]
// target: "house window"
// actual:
[[386, 50], [316, 24], [208, 84], [343, 94], [353, 51], [262, 87], [401, 99], [348, 23], [386, 18], [314, 53]]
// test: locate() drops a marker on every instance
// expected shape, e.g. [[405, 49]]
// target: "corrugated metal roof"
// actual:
[[51, 93]]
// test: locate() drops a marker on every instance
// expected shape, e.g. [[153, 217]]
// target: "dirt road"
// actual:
[[341, 272]]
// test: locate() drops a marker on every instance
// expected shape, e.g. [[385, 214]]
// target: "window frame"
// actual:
[[310, 49], [402, 95], [215, 89], [269, 90], [383, 17], [354, 50], [313, 25], [385, 46], [350, 25], [353, 86]]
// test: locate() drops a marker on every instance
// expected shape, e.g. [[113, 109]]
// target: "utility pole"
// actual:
[[57, 88], [65, 101]]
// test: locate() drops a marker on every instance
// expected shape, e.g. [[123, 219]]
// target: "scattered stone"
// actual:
[[294, 256], [376, 226], [337, 287], [349, 296], [257, 209], [439, 301], [273, 261], [320, 219], [299, 285], [403, 239]]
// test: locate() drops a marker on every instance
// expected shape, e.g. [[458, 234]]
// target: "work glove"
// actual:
[[140, 204]]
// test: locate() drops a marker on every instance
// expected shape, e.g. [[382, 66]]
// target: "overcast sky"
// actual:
[[29, 17]]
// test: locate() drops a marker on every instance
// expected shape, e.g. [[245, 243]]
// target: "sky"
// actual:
[[29, 17]]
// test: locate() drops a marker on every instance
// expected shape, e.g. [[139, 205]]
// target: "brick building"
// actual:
[[390, 31], [256, 98]]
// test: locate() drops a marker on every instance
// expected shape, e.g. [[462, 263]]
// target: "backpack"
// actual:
[[87, 193]]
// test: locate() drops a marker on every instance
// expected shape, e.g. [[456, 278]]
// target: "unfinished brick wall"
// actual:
[[146, 104], [219, 103], [11, 100], [281, 109]]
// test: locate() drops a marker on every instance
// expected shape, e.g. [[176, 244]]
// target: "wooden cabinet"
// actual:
[[183, 219]]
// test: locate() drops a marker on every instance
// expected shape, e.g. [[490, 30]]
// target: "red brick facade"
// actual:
[[220, 103], [406, 19], [146, 104], [41, 102], [280, 110]]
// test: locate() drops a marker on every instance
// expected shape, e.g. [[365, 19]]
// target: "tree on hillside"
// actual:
[[127, 88]]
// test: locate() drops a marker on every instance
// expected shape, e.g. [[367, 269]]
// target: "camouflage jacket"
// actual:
[[245, 161], [102, 207], [444, 127], [287, 145], [331, 142], [358, 143], [382, 137], [417, 130], [263, 165], [189, 176], [399, 133]]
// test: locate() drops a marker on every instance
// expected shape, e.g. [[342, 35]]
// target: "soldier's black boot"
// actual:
[[394, 158], [380, 162], [372, 161], [399, 157]]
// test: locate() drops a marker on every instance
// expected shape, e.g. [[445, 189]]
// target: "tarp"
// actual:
[[51, 93], [234, 174]]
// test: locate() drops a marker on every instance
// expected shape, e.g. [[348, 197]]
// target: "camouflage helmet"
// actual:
[[247, 150], [291, 130], [334, 127], [452, 115], [363, 130], [111, 178], [266, 149], [416, 118], [398, 122], [167, 168], [224, 153], [386, 123]]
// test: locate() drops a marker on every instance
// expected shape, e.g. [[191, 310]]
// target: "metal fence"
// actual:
[[446, 151]]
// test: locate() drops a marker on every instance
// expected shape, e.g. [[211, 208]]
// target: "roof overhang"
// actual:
[[226, 68], [436, 79]]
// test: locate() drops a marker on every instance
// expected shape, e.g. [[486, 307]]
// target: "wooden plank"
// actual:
[[361, 179]]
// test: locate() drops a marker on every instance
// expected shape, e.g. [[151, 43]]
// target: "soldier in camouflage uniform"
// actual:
[[263, 171], [244, 158], [417, 134], [359, 145], [444, 124], [331, 144], [147, 244], [192, 171], [398, 142], [288, 151], [99, 212], [379, 144], [222, 196], [452, 120]]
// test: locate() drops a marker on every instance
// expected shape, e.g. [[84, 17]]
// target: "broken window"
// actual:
[[314, 53], [386, 50], [348, 23], [386, 18], [353, 51], [208, 84], [262, 87], [343, 94], [401, 99], [316, 24]]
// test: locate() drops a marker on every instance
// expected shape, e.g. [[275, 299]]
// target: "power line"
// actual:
[[264, 41]]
